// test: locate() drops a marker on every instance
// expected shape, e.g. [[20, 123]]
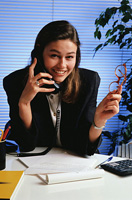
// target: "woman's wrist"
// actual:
[[98, 127], [99, 124], [23, 102], [25, 114]]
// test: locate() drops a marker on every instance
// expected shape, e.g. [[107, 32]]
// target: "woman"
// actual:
[[43, 116]]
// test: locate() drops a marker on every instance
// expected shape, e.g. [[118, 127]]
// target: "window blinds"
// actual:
[[20, 22]]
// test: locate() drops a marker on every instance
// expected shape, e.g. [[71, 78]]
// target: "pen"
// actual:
[[2, 133], [107, 160], [6, 132]]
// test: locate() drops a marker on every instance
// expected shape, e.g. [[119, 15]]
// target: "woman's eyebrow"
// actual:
[[54, 50]]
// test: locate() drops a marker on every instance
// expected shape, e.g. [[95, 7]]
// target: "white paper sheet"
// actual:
[[53, 163], [72, 176]]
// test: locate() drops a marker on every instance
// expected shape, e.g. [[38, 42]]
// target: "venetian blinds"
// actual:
[[21, 20]]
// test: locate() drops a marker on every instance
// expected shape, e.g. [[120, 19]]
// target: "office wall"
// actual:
[[21, 20]]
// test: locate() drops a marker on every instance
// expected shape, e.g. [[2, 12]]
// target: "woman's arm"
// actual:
[[30, 91], [24, 127], [108, 107]]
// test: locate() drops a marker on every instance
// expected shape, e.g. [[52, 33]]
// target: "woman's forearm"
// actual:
[[94, 134], [107, 108], [25, 114]]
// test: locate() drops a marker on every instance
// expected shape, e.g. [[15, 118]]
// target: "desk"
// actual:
[[110, 187]]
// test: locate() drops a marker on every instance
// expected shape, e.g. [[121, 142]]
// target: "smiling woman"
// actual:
[[60, 59], [46, 116]]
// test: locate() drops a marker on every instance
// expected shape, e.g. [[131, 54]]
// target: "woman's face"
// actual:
[[60, 58]]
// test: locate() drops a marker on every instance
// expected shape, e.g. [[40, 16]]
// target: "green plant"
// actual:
[[120, 33]]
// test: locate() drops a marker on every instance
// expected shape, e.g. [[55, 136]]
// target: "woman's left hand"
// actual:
[[108, 107]]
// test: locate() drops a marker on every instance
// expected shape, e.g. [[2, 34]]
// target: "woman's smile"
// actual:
[[60, 58], [59, 72]]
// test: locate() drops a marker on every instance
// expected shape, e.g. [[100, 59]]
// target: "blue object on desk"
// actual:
[[107, 160], [12, 146]]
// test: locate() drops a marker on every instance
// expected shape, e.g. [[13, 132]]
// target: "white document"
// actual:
[[57, 162], [72, 176]]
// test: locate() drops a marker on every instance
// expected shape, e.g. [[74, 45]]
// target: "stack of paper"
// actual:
[[55, 163], [62, 167]]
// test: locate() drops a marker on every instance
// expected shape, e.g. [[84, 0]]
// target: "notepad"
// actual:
[[72, 176], [55, 163], [9, 183]]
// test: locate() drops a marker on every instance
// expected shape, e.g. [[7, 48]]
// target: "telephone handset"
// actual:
[[43, 69], [55, 85]]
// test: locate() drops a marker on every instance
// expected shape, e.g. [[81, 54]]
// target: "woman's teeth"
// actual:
[[59, 72]]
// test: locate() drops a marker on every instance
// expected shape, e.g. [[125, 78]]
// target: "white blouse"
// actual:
[[55, 107]]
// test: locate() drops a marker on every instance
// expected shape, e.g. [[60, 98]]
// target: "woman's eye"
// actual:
[[69, 57], [54, 55]]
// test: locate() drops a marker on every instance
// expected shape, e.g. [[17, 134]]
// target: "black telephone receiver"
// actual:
[[35, 53]]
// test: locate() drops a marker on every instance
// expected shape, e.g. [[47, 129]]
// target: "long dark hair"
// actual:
[[60, 30]]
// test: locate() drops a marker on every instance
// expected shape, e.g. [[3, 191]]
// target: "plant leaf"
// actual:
[[98, 47], [114, 23], [122, 118], [108, 33], [99, 35], [122, 45], [120, 27], [126, 17]]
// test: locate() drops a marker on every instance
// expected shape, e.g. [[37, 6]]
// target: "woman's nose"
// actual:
[[62, 62]]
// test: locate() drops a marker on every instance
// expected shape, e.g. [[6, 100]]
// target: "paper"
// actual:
[[53, 163], [72, 176], [60, 167]]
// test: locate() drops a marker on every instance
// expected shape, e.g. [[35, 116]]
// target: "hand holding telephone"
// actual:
[[55, 85], [41, 68]]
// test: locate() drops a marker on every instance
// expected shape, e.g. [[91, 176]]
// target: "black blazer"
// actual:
[[76, 119]]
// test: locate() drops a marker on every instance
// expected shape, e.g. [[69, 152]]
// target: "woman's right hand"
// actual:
[[30, 91], [31, 88]]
